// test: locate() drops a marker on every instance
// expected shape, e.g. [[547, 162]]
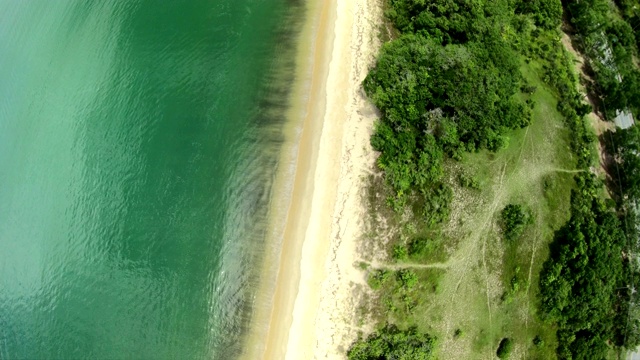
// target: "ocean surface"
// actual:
[[138, 146]]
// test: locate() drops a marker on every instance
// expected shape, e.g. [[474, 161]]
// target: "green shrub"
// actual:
[[444, 87], [407, 278], [513, 221], [468, 181], [377, 278], [546, 13], [504, 349], [418, 246], [538, 342], [583, 284], [390, 343], [400, 252]]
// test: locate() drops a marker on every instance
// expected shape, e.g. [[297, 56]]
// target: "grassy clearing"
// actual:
[[472, 288]]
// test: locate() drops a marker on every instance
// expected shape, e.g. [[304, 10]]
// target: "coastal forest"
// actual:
[[508, 224]]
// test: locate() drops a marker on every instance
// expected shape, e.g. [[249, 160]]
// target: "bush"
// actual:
[[584, 283], [400, 253], [538, 342], [468, 181], [546, 13], [407, 278], [391, 343], [504, 349], [418, 246], [377, 278], [513, 221]]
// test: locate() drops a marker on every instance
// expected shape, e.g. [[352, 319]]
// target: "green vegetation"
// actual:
[[584, 282], [390, 343], [545, 13], [451, 292], [610, 44], [400, 253], [514, 219], [441, 94], [378, 278], [630, 10], [407, 278], [504, 349], [537, 341], [624, 146], [483, 136]]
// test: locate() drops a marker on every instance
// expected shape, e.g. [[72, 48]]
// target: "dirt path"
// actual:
[[402, 265], [597, 121]]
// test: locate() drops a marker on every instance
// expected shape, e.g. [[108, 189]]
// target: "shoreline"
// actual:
[[313, 299], [275, 295]]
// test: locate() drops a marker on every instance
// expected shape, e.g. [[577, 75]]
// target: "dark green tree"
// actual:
[[504, 349], [391, 343], [513, 219]]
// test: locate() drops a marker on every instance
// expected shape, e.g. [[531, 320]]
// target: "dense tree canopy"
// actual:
[[391, 343], [584, 283], [447, 84], [545, 13]]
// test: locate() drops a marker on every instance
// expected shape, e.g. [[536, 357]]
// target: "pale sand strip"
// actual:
[[336, 321], [332, 157], [306, 309], [314, 312]]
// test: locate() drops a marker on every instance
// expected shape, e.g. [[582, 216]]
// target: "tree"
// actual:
[[624, 145], [391, 343]]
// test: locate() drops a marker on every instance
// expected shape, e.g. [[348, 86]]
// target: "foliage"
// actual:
[[447, 84], [418, 246], [468, 181], [407, 278], [514, 287], [557, 65], [545, 13], [630, 10], [377, 278], [624, 146], [610, 44], [504, 349], [538, 342], [450, 83], [584, 282], [393, 343], [400, 252], [513, 220]]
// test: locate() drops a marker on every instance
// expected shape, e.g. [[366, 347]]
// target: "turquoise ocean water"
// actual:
[[138, 143]]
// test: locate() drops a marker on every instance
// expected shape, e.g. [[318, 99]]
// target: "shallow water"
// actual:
[[136, 156]]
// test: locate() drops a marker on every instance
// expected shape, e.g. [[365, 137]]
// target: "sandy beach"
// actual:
[[314, 303]]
